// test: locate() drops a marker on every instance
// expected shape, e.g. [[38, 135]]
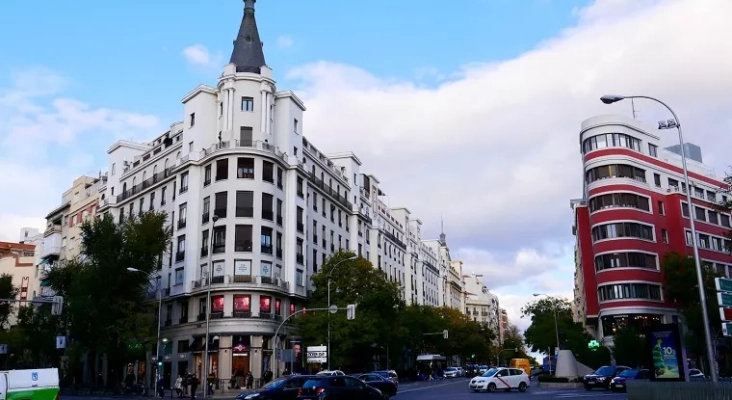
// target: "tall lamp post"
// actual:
[[556, 325], [204, 378], [330, 274], [675, 123], [160, 314]]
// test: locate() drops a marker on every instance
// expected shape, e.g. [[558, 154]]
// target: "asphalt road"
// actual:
[[458, 389]]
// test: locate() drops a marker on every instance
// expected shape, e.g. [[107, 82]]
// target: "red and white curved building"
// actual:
[[633, 211]]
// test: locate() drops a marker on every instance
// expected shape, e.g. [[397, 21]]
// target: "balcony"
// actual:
[[220, 212], [181, 223], [216, 315], [51, 242], [279, 253], [243, 246], [205, 217], [219, 248], [267, 315], [204, 251], [268, 215], [241, 314], [180, 256], [229, 281], [317, 182], [279, 220], [300, 227], [245, 212], [300, 259], [266, 249]]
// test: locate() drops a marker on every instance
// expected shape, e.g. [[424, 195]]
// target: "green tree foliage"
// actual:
[[378, 306], [629, 348], [7, 291], [513, 339], [107, 307], [682, 288]]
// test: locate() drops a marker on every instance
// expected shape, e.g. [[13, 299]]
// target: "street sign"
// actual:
[[60, 342], [333, 309], [3, 349], [724, 299], [317, 354], [727, 329], [725, 313], [723, 284]]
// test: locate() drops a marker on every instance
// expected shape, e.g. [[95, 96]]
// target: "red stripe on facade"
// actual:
[[617, 151], [628, 274]]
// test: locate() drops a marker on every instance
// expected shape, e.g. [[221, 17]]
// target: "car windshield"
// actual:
[[451, 369], [385, 374], [274, 384], [490, 372], [605, 371], [629, 373], [312, 382]]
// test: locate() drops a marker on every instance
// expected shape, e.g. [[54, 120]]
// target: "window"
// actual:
[[207, 175], [183, 182], [266, 240], [244, 204], [300, 225], [245, 136], [709, 242], [615, 171], [152, 201], [245, 168], [247, 104], [299, 187], [278, 245], [162, 196], [610, 140], [142, 206], [180, 276], [643, 291], [296, 125], [280, 174], [268, 171], [300, 256], [626, 260], [724, 220], [219, 239], [664, 235], [279, 212], [267, 212], [204, 243], [299, 278], [243, 238], [180, 255], [657, 179], [700, 213], [193, 119], [182, 212], [242, 302], [622, 230], [652, 150], [206, 209], [265, 304], [713, 217], [624, 200], [661, 209], [222, 169], [220, 201], [685, 210]]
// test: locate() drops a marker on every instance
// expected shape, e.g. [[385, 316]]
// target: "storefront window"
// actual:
[[636, 322], [265, 304]]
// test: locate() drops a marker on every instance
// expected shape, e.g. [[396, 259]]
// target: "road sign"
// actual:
[[724, 299], [317, 354], [725, 313], [727, 329], [723, 284], [60, 342], [333, 309]]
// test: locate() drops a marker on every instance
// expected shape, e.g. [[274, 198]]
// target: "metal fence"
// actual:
[[695, 390]]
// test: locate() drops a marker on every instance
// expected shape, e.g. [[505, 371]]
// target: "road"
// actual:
[[458, 389]]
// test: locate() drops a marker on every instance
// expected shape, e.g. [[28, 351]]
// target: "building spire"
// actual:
[[248, 55], [443, 237]]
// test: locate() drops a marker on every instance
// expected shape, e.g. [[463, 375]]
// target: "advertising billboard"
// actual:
[[666, 353]]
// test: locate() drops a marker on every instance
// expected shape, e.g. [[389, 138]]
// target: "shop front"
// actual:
[[240, 360], [199, 347]]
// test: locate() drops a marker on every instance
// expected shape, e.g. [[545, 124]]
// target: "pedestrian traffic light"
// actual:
[[57, 305], [351, 311], [472, 355], [160, 363]]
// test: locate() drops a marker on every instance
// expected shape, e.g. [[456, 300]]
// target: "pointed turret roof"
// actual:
[[248, 55]]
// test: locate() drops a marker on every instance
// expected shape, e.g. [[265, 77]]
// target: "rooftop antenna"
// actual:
[[442, 231]]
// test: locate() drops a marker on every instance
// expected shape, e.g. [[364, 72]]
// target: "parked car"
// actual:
[[329, 373], [501, 379], [280, 389], [695, 373], [389, 375], [336, 387], [482, 369], [602, 376], [451, 372], [618, 384], [387, 387]]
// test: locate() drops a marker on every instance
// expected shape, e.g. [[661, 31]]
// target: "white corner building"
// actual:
[[248, 194], [482, 306]]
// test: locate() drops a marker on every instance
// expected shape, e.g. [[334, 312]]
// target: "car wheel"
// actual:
[[491, 387], [522, 387]]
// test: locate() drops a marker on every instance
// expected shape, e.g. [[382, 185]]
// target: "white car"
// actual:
[[501, 379], [331, 373], [451, 372]]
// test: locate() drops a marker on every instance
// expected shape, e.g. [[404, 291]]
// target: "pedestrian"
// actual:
[[250, 380], [210, 380], [179, 386], [194, 385]]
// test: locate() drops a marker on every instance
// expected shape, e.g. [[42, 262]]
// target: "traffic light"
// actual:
[[593, 345], [57, 305], [160, 364], [445, 334], [351, 311]]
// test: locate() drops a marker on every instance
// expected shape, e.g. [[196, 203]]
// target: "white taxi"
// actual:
[[501, 379]]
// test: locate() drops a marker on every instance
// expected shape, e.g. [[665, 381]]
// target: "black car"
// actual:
[[387, 387], [602, 377], [280, 389], [337, 388]]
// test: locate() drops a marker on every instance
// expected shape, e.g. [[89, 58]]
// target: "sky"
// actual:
[[467, 111]]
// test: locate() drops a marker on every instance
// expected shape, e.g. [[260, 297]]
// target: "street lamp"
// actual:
[[556, 325], [208, 304], [160, 315], [675, 123], [330, 273]]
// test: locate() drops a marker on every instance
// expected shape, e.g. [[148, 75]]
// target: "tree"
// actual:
[[378, 306], [682, 289], [513, 339], [629, 348], [107, 307], [37, 330], [7, 291]]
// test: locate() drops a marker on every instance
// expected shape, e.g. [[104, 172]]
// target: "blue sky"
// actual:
[[465, 110]]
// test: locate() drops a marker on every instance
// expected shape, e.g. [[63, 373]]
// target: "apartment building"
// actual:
[[634, 210], [19, 261], [481, 305]]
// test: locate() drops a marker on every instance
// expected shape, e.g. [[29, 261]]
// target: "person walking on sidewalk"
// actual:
[[250, 380], [179, 386], [194, 385], [210, 381]]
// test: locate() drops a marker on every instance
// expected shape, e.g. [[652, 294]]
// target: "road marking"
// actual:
[[433, 386], [575, 395]]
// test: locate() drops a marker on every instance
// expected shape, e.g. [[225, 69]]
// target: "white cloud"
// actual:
[[46, 141], [495, 147], [199, 55], [284, 42]]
